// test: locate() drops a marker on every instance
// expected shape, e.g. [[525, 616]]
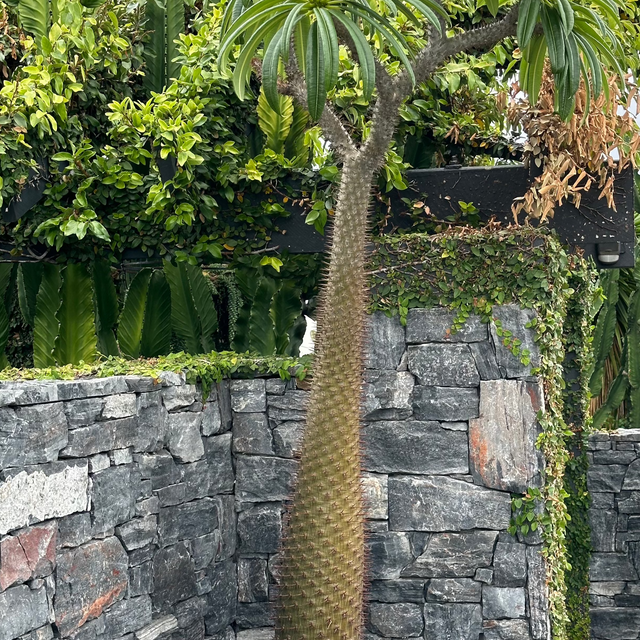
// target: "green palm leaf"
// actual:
[[76, 341], [294, 145], [527, 20], [29, 279], [34, 17], [605, 329], [156, 331], [46, 323], [316, 89], [262, 336], [133, 314], [286, 308], [154, 50], [247, 283], [184, 317], [175, 27], [275, 124], [106, 304], [203, 299], [6, 271]]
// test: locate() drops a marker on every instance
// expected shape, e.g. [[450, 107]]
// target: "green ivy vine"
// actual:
[[470, 271]]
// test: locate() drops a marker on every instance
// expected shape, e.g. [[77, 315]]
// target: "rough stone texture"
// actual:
[[440, 503], [386, 342], [615, 527], [387, 395], [435, 325], [503, 439], [167, 524], [454, 555], [514, 319], [443, 365], [452, 621], [448, 404], [42, 492], [22, 610], [414, 447], [88, 580]]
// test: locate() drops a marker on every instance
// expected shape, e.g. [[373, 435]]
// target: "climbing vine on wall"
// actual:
[[470, 271]]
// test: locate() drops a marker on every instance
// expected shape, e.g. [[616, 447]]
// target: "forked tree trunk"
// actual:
[[323, 568]]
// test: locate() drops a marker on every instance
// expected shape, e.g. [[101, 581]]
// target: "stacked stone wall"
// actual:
[[131, 509], [614, 484]]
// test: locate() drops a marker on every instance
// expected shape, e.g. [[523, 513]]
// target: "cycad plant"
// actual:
[[298, 42]]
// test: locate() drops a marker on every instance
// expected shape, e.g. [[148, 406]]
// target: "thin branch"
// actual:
[[332, 128]]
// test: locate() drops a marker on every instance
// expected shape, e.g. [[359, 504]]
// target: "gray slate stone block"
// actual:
[[447, 404], [159, 467], [173, 494], [112, 498], [173, 576], [127, 616], [485, 358], [179, 396], [454, 590], [222, 598], [454, 555], [287, 439], [632, 476], [510, 565], [32, 435], [102, 436], [74, 530], [385, 344], [195, 479], [205, 548], [253, 584], [141, 579], [603, 529], [443, 365], [120, 406], [607, 477], [515, 320], [401, 619], [264, 479], [452, 621], [152, 422], [414, 447], [387, 395], [503, 602], [606, 567], [82, 413], [211, 419], [22, 610], [435, 325], [23, 393], [138, 533], [225, 506], [74, 389], [615, 623], [187, 521], [407, 590], [375, 489], [250, 615], [439, 503], [248, 396], [260, 529], [183, 431], [291, 406], [218, 455], [251, 434], [390, 553], [88, 580], [614, 457], [506, 630], [503, 439], [256, 634]]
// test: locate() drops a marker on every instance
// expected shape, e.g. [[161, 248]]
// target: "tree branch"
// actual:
[[332, 128]]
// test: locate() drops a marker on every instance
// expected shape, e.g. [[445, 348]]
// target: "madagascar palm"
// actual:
[[323, 571]]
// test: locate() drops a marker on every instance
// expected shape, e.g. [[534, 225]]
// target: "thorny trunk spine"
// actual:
[[322, 573], [323, 570]]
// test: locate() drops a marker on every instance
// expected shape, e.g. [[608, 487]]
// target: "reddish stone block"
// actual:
[[14, 567], [29, 554], [39, 544]]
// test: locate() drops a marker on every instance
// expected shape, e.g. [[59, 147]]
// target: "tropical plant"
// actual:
[[323, 570], [165, 23]]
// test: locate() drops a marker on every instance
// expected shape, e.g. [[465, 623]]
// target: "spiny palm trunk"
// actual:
[[323, 569]]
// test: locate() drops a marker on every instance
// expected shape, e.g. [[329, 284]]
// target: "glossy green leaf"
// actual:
[[493, 6], [184, 317], [29, 279], [46, 323], [315, 65], [133, 314], [76, 341], [555, 36], [203, 300], [527, 20], [106, 303], [156, 330]]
